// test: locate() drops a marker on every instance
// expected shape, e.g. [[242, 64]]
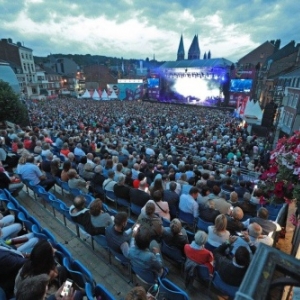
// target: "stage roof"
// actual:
[[197, 63]]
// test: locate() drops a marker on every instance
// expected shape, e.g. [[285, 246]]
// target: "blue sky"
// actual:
[[140, 28]]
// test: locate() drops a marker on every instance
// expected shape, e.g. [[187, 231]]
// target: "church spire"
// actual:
[[194, 51], [180, 52]]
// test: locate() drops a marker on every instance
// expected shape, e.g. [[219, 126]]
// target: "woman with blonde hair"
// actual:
[[115, 161], [218, 234]]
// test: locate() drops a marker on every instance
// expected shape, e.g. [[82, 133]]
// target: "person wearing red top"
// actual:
[[27, 142], [65, 150], [136, 182], [197, 253]]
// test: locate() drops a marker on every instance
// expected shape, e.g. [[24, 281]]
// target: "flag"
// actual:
[[122, 67]]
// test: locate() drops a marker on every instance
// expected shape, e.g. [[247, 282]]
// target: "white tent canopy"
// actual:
[[104, 95], [96, 95], [86, 94], [113, 95], [253, 113]]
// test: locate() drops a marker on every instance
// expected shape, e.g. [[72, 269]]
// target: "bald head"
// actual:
[[237, 213]]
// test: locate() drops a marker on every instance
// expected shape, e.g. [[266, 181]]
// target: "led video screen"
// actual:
[[205, 91], [241, 85], [153, 87]]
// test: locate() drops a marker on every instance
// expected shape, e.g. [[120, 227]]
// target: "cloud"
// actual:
[[140, 28]]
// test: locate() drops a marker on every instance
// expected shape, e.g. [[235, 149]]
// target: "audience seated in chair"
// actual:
[[268, 227], [161, 207], [175, 235], [41, 261], [31, 172], [197, 253], [188, 203], [234, 223], [139, 196], [208, 213], [76, 182], [144, 253], [81, 215], [151, 221], [220, 203], [218, 234], [172, 198], [99, 218], [121, 190], [236, 266], [117, 238]]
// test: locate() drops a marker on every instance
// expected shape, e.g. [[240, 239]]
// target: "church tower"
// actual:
[[180, 52], [194, 51]]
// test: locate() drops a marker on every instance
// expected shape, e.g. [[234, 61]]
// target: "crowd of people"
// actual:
[[161, 158]]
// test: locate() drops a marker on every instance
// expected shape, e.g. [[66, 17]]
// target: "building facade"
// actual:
[[21, 58], [289, 86]]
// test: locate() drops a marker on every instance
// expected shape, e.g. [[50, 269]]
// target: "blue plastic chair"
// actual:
[[78, 272], [75, 192], [101, 291], [34, 221], [65, 186], [203, 273], [135, 209], [123, 202], [190, 235], [120, 258], [42, 234], [109, 195], [129, 224], [101, 240], [65, 212], [173, 253], [225, 288], [27, 223], [209, 247], [88, 198], [144, 275], [61, 252], [170, 290], [187, 218], [203, 225], [273, 211], [12, 207]]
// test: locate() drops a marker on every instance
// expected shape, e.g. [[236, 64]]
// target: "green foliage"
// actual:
[[11, 108]]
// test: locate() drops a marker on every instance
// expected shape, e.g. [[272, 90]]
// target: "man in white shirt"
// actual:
[[188, 203]]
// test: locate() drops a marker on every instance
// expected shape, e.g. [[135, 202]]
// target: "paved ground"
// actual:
[[113, 276]]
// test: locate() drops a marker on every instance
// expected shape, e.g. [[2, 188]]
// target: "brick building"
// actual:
[[22, 62], [280, 62]]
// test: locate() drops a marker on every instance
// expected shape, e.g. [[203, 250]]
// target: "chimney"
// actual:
[[277, 44]]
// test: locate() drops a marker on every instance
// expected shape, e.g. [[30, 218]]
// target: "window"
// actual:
[[298, 82], [24, 66], [22, 55], [32, 68], [290, 121], [295, 101], [290, 100], [26, 56], [292, 82]]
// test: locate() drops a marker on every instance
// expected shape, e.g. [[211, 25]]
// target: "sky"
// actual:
[[142, 28]]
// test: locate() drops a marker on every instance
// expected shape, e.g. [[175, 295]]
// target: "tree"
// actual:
[[12, 109]]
